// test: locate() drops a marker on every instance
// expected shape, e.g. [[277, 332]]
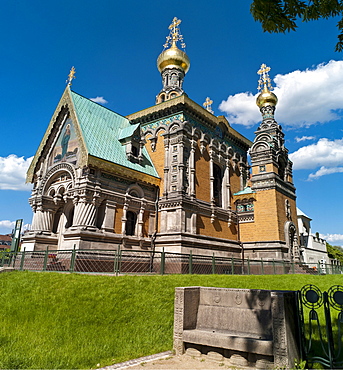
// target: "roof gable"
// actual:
[[101, 130], [98, 131]]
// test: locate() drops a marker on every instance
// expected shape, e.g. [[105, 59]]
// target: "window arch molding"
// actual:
[[53, 172], [135, 190]]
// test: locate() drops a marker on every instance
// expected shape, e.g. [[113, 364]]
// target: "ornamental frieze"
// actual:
[[57, 168], [162, 122]]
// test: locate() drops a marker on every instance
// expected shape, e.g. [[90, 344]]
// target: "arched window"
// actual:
[[282, 168], [69, 213], [131, 219], [217, 185], [56, 221]]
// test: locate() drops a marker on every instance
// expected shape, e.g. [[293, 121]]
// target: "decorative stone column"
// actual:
[[124, 219], [242, 174], [166, 167], [110, 214], [212, 187], [192, 170], [141, 219], [42, 219], [85, 210], [181, 167], [228, 185]]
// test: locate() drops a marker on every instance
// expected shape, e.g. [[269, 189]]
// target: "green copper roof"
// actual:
[[247, 190], [101, 129]]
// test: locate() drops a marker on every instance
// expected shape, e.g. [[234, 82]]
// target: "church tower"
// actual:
[[173, 64], [272, 184]]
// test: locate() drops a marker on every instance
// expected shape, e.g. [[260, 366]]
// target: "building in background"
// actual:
[[172, 176], [312, 247], [5, 241]]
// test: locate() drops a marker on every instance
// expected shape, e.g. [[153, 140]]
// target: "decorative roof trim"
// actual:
[[123, 171], [184, 103], [66, 102]]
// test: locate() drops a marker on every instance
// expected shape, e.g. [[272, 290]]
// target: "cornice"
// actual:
[[185, 105]]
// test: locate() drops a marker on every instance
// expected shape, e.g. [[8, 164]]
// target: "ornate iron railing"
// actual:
[[321, 325]]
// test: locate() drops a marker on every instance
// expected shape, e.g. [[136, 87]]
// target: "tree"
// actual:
[[282, 15], [334, 252]]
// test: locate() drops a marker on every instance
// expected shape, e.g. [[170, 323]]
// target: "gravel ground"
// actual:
[[168, 361]]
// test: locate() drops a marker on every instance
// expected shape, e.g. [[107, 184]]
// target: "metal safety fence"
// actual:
[[123, 261]]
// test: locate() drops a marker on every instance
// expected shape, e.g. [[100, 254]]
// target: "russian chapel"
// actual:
[[172, 176]]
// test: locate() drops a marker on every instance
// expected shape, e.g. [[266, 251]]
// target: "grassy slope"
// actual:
[[52, 320]]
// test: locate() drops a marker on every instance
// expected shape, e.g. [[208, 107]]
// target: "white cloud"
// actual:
[[241, 109], [6, 224], [333, 238], [304, 138], [324, 152], [305, 98], [324, 171], [99, 99], [13, 172]]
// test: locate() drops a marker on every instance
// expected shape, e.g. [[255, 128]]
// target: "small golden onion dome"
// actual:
[[173, 58], [265, 98]]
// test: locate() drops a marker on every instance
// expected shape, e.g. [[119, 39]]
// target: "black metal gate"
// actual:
[[321, 325]]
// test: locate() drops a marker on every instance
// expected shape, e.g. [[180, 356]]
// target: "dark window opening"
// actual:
[[70, 217], [131, 219], [217, 185], [134, 150], [56, 221], [101, 215]]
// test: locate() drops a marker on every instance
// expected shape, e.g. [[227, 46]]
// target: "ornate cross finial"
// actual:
[[174, 34], [264, 81], [208, 104], [71, 76]]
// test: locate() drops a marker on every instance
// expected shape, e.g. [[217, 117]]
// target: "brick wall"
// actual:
[[202, 175]]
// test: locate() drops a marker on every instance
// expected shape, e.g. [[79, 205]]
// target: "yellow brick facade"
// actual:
[[117, 220], [217, 229], [269, 217], [202, 175], [157, 156]]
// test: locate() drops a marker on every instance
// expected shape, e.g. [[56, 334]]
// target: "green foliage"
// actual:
[[64, 321], [335, 252], [299, 364], [282, 15], [4, 253]]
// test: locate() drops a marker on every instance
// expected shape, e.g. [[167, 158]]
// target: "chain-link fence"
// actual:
[[122, 261]]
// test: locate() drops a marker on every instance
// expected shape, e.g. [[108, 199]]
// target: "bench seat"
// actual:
[[220, 339]]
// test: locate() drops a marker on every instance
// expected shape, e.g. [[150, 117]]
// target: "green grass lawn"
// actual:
[[64, 321]]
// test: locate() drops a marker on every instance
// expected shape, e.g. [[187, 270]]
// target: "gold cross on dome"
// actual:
[[208, 104], [264, 81], [174, 34], [71, 76], [174, 25]]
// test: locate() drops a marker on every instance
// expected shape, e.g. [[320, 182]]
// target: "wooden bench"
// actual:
[[257, 326]]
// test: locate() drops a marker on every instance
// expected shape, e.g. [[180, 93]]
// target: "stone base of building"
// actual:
[[187, 243], [80, 238], [39, 241], [181, 243], [267, 250]]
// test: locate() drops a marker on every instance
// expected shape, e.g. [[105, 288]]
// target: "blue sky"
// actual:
[[114, 46]]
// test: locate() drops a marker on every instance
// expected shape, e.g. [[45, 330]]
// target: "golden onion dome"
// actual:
[[266, 97], [173, 58]]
